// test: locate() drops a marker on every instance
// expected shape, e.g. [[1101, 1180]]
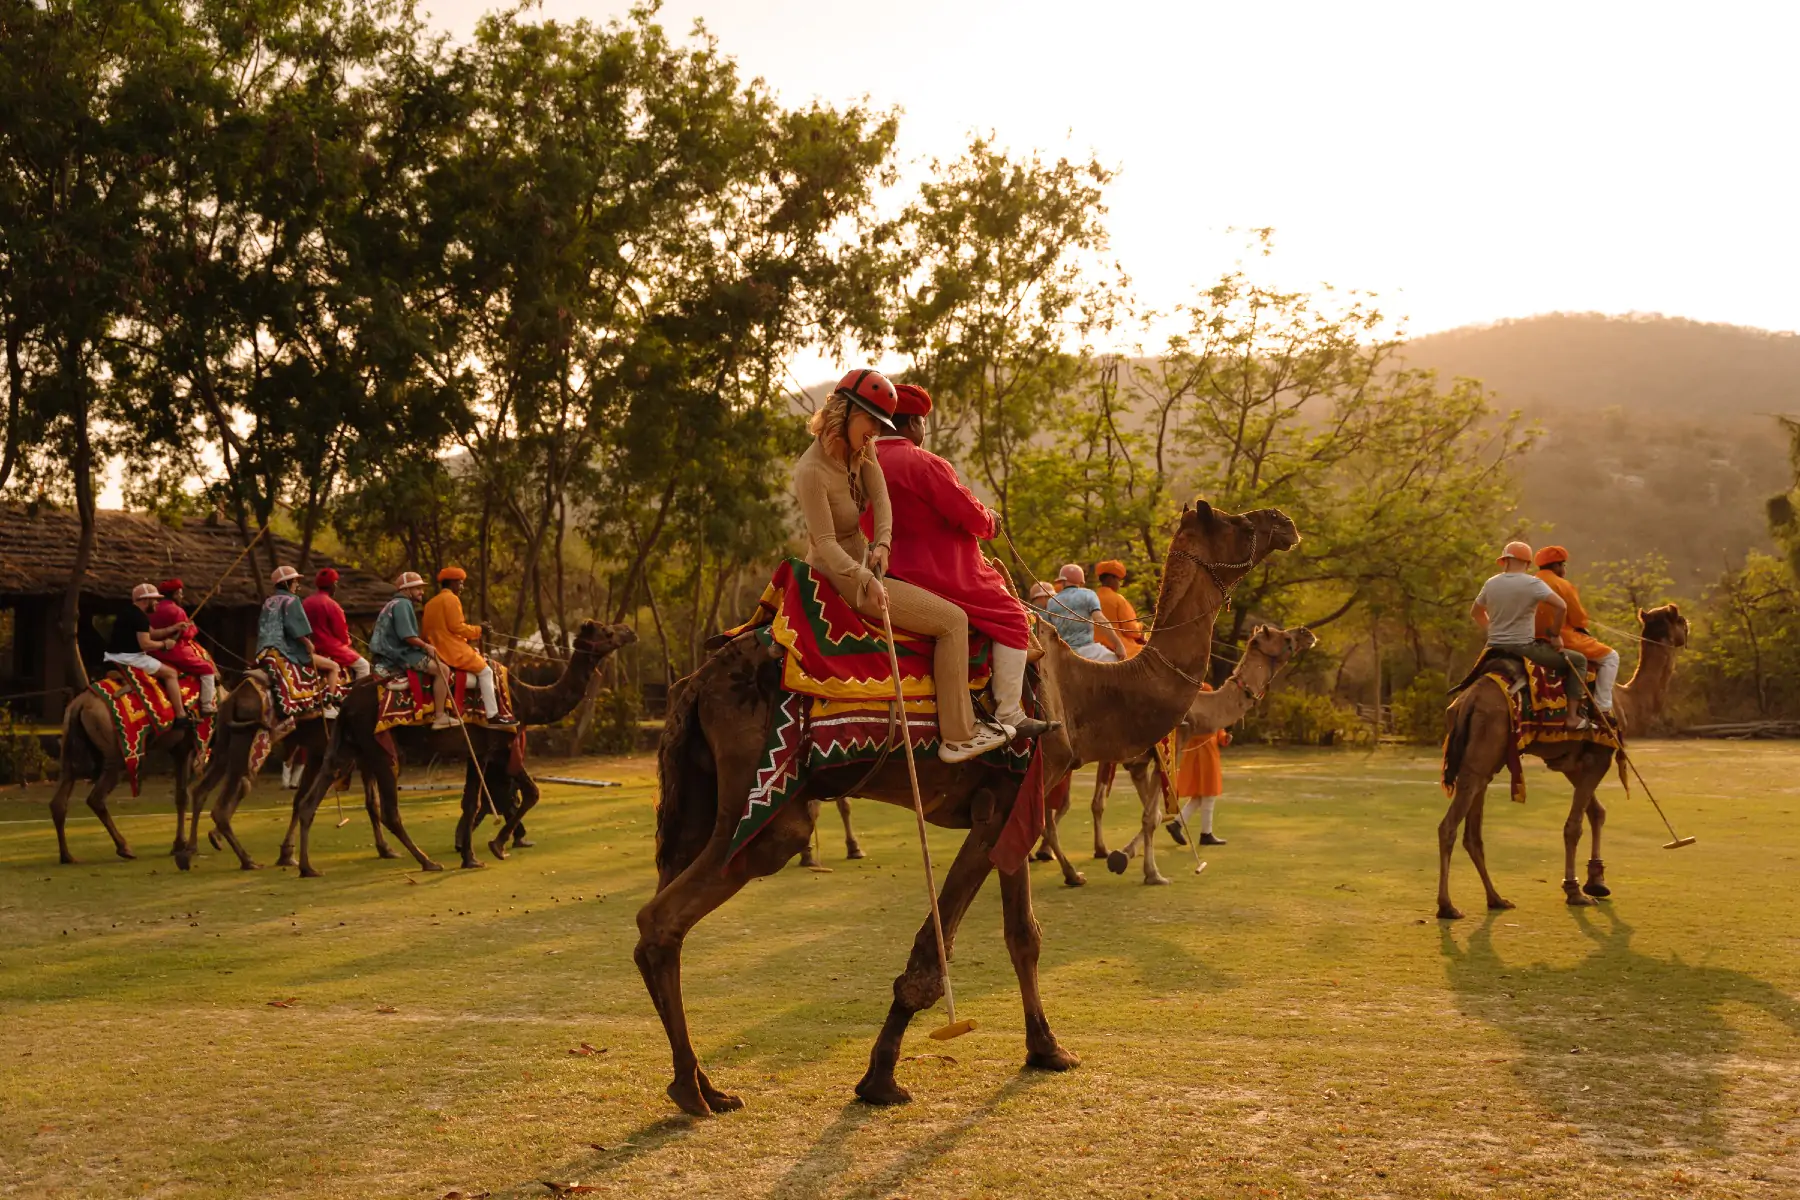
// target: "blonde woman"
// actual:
[[834, 481]]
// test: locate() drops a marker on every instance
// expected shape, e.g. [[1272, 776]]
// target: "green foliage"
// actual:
[[617, 712], [1417, 710], [1744, 658], [1301, 718], [22, 757]]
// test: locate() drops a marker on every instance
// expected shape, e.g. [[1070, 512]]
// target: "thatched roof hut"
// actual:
[[37, 554]]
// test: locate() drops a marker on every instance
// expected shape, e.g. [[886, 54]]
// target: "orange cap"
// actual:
[[1518, 550], [1550, 555]]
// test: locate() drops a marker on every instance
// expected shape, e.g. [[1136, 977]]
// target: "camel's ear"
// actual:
[[1674, 610], [1641, 617], [1203, 511]]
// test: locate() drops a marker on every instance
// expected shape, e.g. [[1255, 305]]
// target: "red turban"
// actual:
[[1550, 555], [169, 587], [325, 578], [914, 401], [1111, 566]]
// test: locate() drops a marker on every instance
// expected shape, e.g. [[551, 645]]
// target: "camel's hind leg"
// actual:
[[664, 922], [1146, 780], [1478, 851], [59, 814], [921, 985], [852, 847], [1469, 785], [96, 800], [1023, 940], [1586, 804], [526, 797], [1103, 781], [373, 807]]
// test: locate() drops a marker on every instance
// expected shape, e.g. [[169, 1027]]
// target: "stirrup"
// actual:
[[986, 738]]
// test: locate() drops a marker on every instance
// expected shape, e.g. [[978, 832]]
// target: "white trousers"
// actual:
[[490, 700], [1098, 651], [1205, 805], [360, 668], [1606, 672]]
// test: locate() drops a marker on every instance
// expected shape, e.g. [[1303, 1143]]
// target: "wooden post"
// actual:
[[1375, 651]]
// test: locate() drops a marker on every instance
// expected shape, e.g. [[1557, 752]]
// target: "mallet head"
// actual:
[[1678, 843], [954, 1029]]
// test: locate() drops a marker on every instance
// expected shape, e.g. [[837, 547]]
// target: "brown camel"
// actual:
[[90, 750], [1479, 725], [354, 740], [1268, 650], [718, 720]]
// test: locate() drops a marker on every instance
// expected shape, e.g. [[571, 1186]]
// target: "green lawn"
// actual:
[[1291, 1023]]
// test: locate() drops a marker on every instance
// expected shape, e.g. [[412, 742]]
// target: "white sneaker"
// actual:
[[445, 721], [987, 737], [331, 712]]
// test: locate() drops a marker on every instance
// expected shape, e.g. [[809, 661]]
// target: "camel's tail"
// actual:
[[687, 805], [1457, 720], [78, 757]]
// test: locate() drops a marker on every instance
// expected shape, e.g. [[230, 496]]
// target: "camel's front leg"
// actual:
[[1579, 809], [109, 779], [663, 926], [922, 983], [525, 799], [1478, 851], [1103, 781], [1023, 939], [1150, 796], [1057, 806], [1467, 788], [852, 847]]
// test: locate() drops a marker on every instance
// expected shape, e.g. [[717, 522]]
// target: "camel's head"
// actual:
[[1664, 626], [1227, 545], [601, 640], [1281, 645]]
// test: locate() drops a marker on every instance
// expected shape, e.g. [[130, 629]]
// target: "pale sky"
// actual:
[[1468, 162]]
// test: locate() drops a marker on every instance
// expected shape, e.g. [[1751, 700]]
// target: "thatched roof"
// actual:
[[37, 552]]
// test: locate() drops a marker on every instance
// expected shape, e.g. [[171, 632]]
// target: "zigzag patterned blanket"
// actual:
[[296, 692], [1539, 712], [417, 705], [141, 711]]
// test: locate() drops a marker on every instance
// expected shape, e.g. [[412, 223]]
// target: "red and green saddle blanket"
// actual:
[[836, 703], [295, 692], [833, 654], [1540, 711], [417, 704], [141, 711]]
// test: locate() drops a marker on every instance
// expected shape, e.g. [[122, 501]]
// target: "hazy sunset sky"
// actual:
[[1466, 161]]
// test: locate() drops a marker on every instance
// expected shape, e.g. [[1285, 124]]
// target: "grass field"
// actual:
[[1291, 1023]]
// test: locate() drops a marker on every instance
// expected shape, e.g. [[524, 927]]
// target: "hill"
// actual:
[[1658, 431]]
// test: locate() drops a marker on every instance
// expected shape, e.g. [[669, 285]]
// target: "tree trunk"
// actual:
[[15, 386], [487, 520], [83, 468]]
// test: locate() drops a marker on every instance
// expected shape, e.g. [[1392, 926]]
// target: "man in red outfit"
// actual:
[[937, 526], [330, 629]]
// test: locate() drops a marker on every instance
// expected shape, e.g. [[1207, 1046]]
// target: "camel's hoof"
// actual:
[[1449, 912], [287, 859], [1100, 855], [470, 864], [250, 865], [1077, 880], [520, 843], [212, 835], [1155, 880], [124, 852], [855, 852], [809, 860], [1117, 861], [497, 848], [1056, 1059], [183, 862], [1598, 891], [69, 860], [688, 1099], [311, 873], [1499, 904], [386, 852], [428, 865], [1577, 900], [177, 848], [720, 1102], [1043, 856], [882, 1093]]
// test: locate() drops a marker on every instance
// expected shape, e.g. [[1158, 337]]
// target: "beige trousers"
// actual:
[[919, 611]]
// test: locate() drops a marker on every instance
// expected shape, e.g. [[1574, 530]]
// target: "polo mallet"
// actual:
[[449, 674], [955, 1028], [1679, 841], [248, 546]]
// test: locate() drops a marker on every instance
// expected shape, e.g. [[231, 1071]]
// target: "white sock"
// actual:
[[490, 702], [207, 685], [1604, 675], [1008, 684]]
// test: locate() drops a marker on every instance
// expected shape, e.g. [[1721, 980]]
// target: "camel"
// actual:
[[354, 740], [1268, 650], [809, 855], [90, 750], [1478, 727], [719, 717]]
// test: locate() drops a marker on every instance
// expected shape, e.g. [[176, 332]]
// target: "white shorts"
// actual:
[[1098, 652], [142, 662]]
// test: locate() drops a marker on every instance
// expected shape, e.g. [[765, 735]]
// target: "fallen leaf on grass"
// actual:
[[386, 1008], [584, 1050], [467, 1195], [409, 879], [820, 870], [923, 1057], [568, 1189], [290, 1002], [46, 1129]]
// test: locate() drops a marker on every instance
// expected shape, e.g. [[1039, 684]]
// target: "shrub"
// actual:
[[1304, 718], [1418, 708], [22, 757], [617, 712]]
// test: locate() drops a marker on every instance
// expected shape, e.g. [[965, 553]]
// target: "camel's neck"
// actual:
[[548, 705], [1647, 691], [1218, 710]]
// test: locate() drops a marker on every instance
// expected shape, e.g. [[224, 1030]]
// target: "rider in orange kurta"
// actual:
[[444, 627], [1552, 563], [1116, 608]]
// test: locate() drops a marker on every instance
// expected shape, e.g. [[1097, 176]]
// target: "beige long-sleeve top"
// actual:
[[834, 542]]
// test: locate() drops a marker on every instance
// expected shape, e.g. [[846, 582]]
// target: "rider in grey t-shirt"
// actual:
[[1507, 610]]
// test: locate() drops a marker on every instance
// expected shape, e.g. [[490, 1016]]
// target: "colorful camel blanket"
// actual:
[[1540, 707], [296, 692], [141, 711], [834, 654], [417, 705]]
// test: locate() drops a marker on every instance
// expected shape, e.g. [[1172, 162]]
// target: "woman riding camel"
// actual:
[[834, 481]]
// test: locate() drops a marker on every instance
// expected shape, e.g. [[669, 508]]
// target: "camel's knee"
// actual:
[[919, 987], [1596, 813]]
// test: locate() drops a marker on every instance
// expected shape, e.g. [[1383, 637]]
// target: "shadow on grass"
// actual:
[[1632, 1047]]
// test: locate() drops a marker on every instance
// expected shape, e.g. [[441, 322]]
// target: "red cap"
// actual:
[[325, 578], [169, 587], [915, 401], [870, 391]]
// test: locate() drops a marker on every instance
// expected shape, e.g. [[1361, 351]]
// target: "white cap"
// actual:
[[282, 574], [408, 580], [145, 591]]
